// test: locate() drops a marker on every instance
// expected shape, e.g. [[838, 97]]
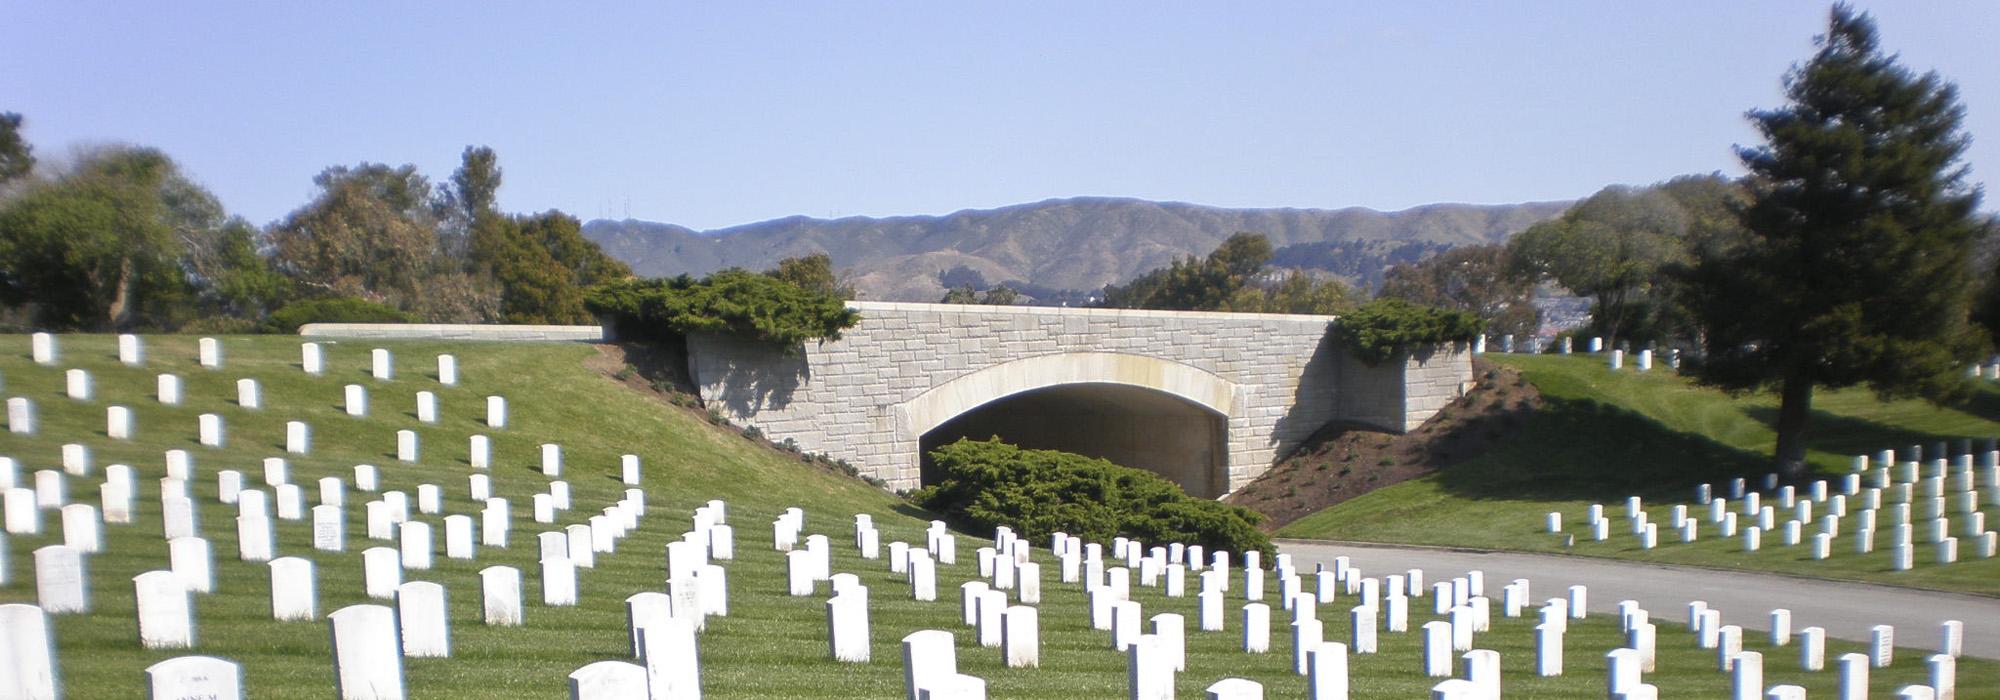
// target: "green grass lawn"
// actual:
[[770, 646], [1603, 436]]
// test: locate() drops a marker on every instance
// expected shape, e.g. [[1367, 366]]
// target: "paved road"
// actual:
[[1846, 610]]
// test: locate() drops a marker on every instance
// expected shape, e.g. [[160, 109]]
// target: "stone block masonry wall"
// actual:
[[869, 397]]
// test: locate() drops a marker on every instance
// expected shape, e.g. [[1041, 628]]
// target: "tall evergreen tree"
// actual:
[[1860, 222], [17, 158]]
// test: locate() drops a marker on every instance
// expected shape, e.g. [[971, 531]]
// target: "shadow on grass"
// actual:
[[1850, 435], [1582, 449]]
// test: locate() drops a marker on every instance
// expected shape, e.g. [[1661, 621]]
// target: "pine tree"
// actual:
[[1853, 268]]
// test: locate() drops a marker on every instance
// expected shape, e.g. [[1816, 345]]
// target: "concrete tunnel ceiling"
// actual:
[[1128, 425]]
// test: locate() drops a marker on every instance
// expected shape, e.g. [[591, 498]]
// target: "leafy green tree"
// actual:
[[475, 186], [1611, 247], [962, 294], [999, 295], [542, 264], [1859, 225], [17, 158], [101, 247], [813, 273], [1378, 330], [230, 277], [369, 234], [1196, 284], [1040, 492], [1480, 279], [373, 233], [758, 307]]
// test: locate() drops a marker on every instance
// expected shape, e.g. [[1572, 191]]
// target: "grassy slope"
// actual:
[[1604, 436], [771, 646]]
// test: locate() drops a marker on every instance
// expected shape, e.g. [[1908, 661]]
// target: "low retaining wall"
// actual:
[[455, 331]]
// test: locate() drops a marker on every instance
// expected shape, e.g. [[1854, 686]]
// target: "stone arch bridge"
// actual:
[[1209, 400]]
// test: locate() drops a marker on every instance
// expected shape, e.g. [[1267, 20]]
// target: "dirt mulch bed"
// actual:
[[1343, 461]]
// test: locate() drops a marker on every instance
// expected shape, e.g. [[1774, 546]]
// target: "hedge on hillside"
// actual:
[[1039, 492], [332, 310], [738, 302], [1379, 329]]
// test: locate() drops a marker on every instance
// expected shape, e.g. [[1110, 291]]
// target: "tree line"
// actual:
[[119, 238]]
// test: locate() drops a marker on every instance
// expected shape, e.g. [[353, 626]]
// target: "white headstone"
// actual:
[[383, 364], [381, 572], [847, 625], [355, 400], [364, 477], [209, 351], [62, 584], [197, 677], [406, 445], [28, 653], [312, 359], [447, 370], [1882, 645], [673, 666], [606, 680], [500, 592], [558, 581], [552, 460], [294, 590], [367, 653], [1237, 689], [416, 546], [480, 452], [51, 489], [24, 515], [1256, 628], [928, 657], [496, 412], [458, 536], [166, 618], [210, 426], [427, 407], [249, 394], [131, 350], [329, 528], [167, 388], [255, 540], [118, 422], [298, 437], [82, 530], [422, 611], [20, 416], [190, 560], [493, 523], [1020, 644], [76, 459]]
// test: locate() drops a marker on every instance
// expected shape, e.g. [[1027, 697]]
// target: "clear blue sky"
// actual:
[[728, 113]]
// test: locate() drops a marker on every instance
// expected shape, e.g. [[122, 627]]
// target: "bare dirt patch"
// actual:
[[1343, 461]]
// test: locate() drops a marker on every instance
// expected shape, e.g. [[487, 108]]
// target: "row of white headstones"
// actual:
[[985, 603], [1989, 369], [1895, 497], [162, 597], [1155, 656]]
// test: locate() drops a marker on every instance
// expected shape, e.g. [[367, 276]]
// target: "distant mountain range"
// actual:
[[1062, 249]]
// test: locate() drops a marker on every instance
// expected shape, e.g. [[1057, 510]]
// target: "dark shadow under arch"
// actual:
[[1128, 425]]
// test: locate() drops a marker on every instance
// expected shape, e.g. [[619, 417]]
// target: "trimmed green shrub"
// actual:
[[1040, 492], [332, 310], [1379, 329], [758, 307]]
